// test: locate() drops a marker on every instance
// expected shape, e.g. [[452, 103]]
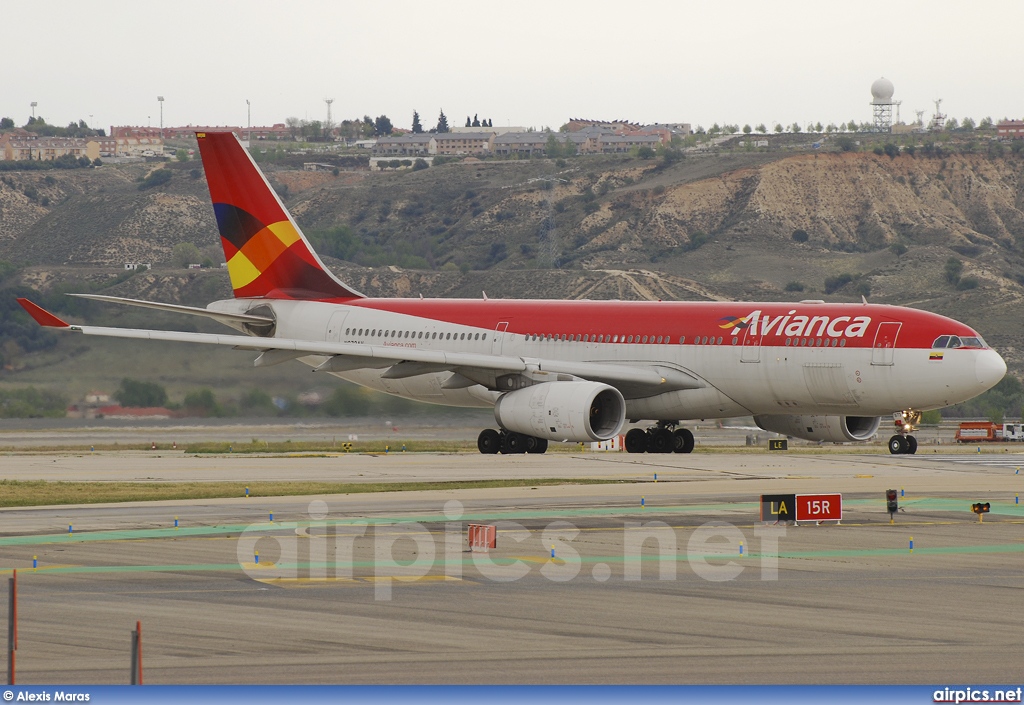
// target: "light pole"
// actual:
[[329, 126], [33, 104], [248, 120], [160, 99]]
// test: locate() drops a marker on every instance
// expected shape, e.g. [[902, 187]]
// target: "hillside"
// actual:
[[706, 227]]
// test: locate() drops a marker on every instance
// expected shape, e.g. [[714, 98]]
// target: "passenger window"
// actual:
[[682, 339], [719, 340]]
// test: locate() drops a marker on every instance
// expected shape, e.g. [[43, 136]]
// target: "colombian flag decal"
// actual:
[[935, 357]]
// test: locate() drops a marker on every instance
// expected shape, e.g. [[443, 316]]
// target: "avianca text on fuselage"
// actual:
[[793, 325]]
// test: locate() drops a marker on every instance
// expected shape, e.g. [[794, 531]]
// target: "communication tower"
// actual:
[[938, 122], [329, 126], [882, 104]]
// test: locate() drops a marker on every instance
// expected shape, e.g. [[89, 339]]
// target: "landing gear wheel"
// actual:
[[660, 440], [683, 440], [911, 445], [489, 441], [513, 443], [898, 445], [540, 445], [636, 441]]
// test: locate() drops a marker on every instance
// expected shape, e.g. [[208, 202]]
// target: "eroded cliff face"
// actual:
[[844, 202]]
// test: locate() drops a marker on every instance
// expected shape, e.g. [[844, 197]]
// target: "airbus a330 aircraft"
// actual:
[[573, 370]]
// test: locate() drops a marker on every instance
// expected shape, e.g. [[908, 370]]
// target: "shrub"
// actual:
[[801, 236], [795, 286]]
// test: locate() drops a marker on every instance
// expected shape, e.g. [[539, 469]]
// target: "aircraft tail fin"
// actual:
[[267, 254]]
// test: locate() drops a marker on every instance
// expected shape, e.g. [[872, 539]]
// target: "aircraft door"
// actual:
[[335, 327], [751, 348], [882, 352], [499, 336]]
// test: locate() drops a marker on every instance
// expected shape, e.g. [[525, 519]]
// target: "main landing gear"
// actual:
[[509, 442], [663, 438]]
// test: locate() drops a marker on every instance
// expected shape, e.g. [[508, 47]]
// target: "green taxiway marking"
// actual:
[[650, 509], [276, 570]]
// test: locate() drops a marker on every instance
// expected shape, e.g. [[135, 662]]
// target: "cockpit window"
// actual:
[[957, 341]]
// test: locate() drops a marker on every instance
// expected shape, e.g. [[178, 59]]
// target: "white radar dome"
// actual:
[[882, 90]]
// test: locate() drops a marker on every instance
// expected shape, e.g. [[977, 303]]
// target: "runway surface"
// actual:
[[379, 588]]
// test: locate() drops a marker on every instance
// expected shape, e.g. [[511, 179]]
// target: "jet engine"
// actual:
[[563, 411], [834, 429]]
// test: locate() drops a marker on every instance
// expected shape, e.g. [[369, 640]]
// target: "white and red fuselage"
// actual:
[[752, 358]]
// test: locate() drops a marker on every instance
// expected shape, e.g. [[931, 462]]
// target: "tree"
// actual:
[[985, 124], [954, 268], [645, 152], [952, 124], [185, 253], [898, 249], [851, 126], [553, 148], [794, 128], [417, 128], [382, 126], [155, 178], [202, 403], [891, 150], [761, 128], [181, 155], [442, 123], [747, 129], [6, 123], [476, 121], [468, 122], [777, 129], [293, 126], [420, 164], [140, 394], [817, 127], [967, 125]]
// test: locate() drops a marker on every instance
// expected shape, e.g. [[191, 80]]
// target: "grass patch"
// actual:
[[32, 493]]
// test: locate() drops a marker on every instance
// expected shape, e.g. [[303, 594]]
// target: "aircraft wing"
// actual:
[[475, 368], [218, 316]]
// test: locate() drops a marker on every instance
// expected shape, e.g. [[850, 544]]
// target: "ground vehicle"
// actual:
[[987, 431]]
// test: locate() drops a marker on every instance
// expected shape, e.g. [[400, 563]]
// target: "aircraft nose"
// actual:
[[989, 368]]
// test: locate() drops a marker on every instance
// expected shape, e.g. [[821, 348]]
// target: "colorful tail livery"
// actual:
[[267, 254]]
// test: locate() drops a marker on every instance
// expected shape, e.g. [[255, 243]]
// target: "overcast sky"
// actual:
[[526, 62]]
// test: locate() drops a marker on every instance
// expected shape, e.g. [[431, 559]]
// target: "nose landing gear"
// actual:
[[903, 443]]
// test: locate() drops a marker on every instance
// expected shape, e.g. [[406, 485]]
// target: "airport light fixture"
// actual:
[[160, 99]]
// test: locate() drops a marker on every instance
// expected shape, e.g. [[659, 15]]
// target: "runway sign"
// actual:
[[778, 507], [819, 507], [778, 444]]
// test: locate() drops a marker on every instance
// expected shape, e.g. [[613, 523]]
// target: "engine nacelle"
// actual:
[[834, 429], [563, 411]]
